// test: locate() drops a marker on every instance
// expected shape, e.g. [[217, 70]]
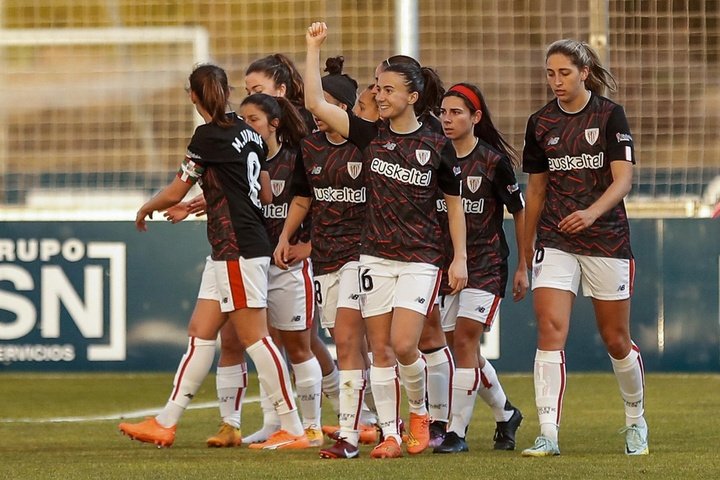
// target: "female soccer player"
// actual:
[[291, 299], [489, 185], [331, 184], [579, 154], [226, 154], [275, 75], [401, 252]]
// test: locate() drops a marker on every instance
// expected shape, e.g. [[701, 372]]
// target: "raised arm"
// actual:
[[335, 117]]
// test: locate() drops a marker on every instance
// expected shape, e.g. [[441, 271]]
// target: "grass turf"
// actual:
[[65, 426]]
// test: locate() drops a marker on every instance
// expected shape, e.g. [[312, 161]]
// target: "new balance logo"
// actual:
[[189, 395], [389, 146], [481, 309], [296, 318], [553, 141], [420, 300], [316, 170], [621, 288]]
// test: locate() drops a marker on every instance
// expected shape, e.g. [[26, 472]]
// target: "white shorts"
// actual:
[[291, 297], [236, 284], [386, 284], [472, 303], [603, 278], [338, 289]]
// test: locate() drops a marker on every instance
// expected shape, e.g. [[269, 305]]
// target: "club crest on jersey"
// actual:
[[354, 169], [277, 187], [591, 135], [474, 183], [423, 156]]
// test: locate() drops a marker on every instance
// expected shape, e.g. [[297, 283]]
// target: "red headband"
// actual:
[[467, 93]]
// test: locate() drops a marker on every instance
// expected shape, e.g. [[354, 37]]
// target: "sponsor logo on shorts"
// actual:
[[296, 318], [420, 300], [621, 288]]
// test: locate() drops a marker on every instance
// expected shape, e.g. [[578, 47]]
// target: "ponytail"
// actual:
[[423, 80], [209, 83], [291, 125], [282, 71], [582, 55]]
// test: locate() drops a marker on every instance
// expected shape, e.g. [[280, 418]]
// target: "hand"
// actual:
[[281, 254], [197, 205], [457, 275], [298, 252], [177, 213], [316, 34], [520, 283], [140, 224], [577, 221]]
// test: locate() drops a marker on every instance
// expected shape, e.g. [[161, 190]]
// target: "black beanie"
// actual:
[[342, 87]]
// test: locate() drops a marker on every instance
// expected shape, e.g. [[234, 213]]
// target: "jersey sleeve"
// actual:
[[506, 186], [361, 131], [449, 173], [534, 159], [300, 186], [619, 141]]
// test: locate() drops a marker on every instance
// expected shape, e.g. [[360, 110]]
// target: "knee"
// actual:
[[406, 351]]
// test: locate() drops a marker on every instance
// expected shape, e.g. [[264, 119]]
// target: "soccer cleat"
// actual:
[[262, 434], [544, 447], [419, 436], [437, 433], [341, 449], [282, 440], [368, 433], [149, 431], [227, 436], [505, 431], [636, 440], [388, 448], [314, 435], [452, 443]]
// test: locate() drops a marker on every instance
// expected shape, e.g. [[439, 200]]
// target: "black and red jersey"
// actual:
[[404, 173], [488, 186], [333, 176], [281, 168], [226, 162], [576, 150]]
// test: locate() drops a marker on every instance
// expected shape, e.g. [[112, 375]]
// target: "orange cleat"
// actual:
[[149, 431], [227, 436], [282, 440], [419, 436], [388, 448]]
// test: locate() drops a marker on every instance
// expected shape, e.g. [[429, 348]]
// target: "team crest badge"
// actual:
[[591, 135], [474, 183], [423, 156], [277, 186], [354, 169]]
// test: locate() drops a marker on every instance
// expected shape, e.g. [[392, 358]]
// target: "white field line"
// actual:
[[116, 416]]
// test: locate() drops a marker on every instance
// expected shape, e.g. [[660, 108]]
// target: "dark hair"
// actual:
[[209, 83], [399, 59], [340, 85], [283, 72], [485, 129], [291, 126], [582, 55], [423, 80]]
